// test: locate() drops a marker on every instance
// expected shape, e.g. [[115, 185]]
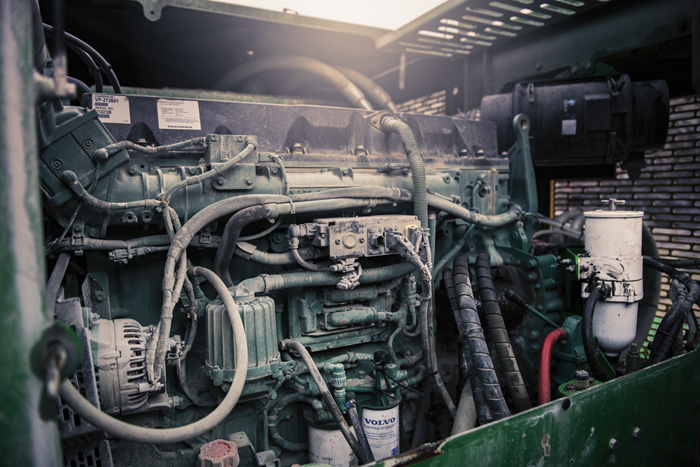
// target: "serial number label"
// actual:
[[178, 115], [111, 108]]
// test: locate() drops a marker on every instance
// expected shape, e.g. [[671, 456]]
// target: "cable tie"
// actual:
[[291, 205]]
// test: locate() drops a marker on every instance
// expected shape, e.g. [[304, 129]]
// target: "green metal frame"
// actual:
[[28, 424], [646, 418]]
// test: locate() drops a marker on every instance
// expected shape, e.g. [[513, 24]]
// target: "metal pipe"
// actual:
[[261, 65]]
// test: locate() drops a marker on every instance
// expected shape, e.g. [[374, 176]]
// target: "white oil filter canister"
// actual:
[[328, 446], [382, 430]]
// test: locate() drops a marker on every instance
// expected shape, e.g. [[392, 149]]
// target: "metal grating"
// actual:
[[461, 27]]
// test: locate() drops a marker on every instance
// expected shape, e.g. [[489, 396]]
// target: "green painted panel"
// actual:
[[652, 415]]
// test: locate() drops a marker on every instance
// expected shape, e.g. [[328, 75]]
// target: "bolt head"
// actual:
[[613, 444], [581, 375], [637, 433]]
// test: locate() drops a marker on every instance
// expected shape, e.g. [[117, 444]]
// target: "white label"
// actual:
[[178, 115], [568, 127], [382, 430], [111, 108]]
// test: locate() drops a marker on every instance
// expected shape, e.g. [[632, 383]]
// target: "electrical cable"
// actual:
[[139, 434]]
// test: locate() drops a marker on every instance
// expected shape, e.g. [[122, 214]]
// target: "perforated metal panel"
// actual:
[[458, 28]]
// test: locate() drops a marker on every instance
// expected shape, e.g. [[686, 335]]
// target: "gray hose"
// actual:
[[139, 434], [280, 62], [483, 220], [466, 412], [470, 327], [106, 152], [499, 334], [265, 283], [365, 457], [71, 179], [53, 285], [391, 124], [370, 87], [215, 171]]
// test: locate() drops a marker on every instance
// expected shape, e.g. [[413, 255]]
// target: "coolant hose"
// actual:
[[370, 87], [365, 457], [294, 62], [545, 385], [139, 434], [232, 232], [470, 327], [499, 333], [587, 334], [391, 124], [483, 412]]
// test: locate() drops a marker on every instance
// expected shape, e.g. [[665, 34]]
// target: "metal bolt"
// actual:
[[220, 181], [248, 181], [133, 170], [56, 164], [613, 444], [463, 153], [192, 171], [88, 143], [100, 296], [637, 432]]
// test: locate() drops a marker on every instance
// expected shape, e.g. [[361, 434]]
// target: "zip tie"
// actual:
[[291, 205]]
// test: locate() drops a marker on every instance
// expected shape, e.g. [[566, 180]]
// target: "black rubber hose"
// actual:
[[470, 327], [483, 412], [232, 232], [670, 325], [281, 62], [104, 65], [367, 85], [81, 87], [365, 457], [587, 334], [499, 333], [359, 429]]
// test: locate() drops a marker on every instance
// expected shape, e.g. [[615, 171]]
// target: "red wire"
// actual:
[[545, 393]]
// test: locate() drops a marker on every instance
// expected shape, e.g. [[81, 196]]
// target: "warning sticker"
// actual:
[[568, 127], [178, 115], [112, 109]]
